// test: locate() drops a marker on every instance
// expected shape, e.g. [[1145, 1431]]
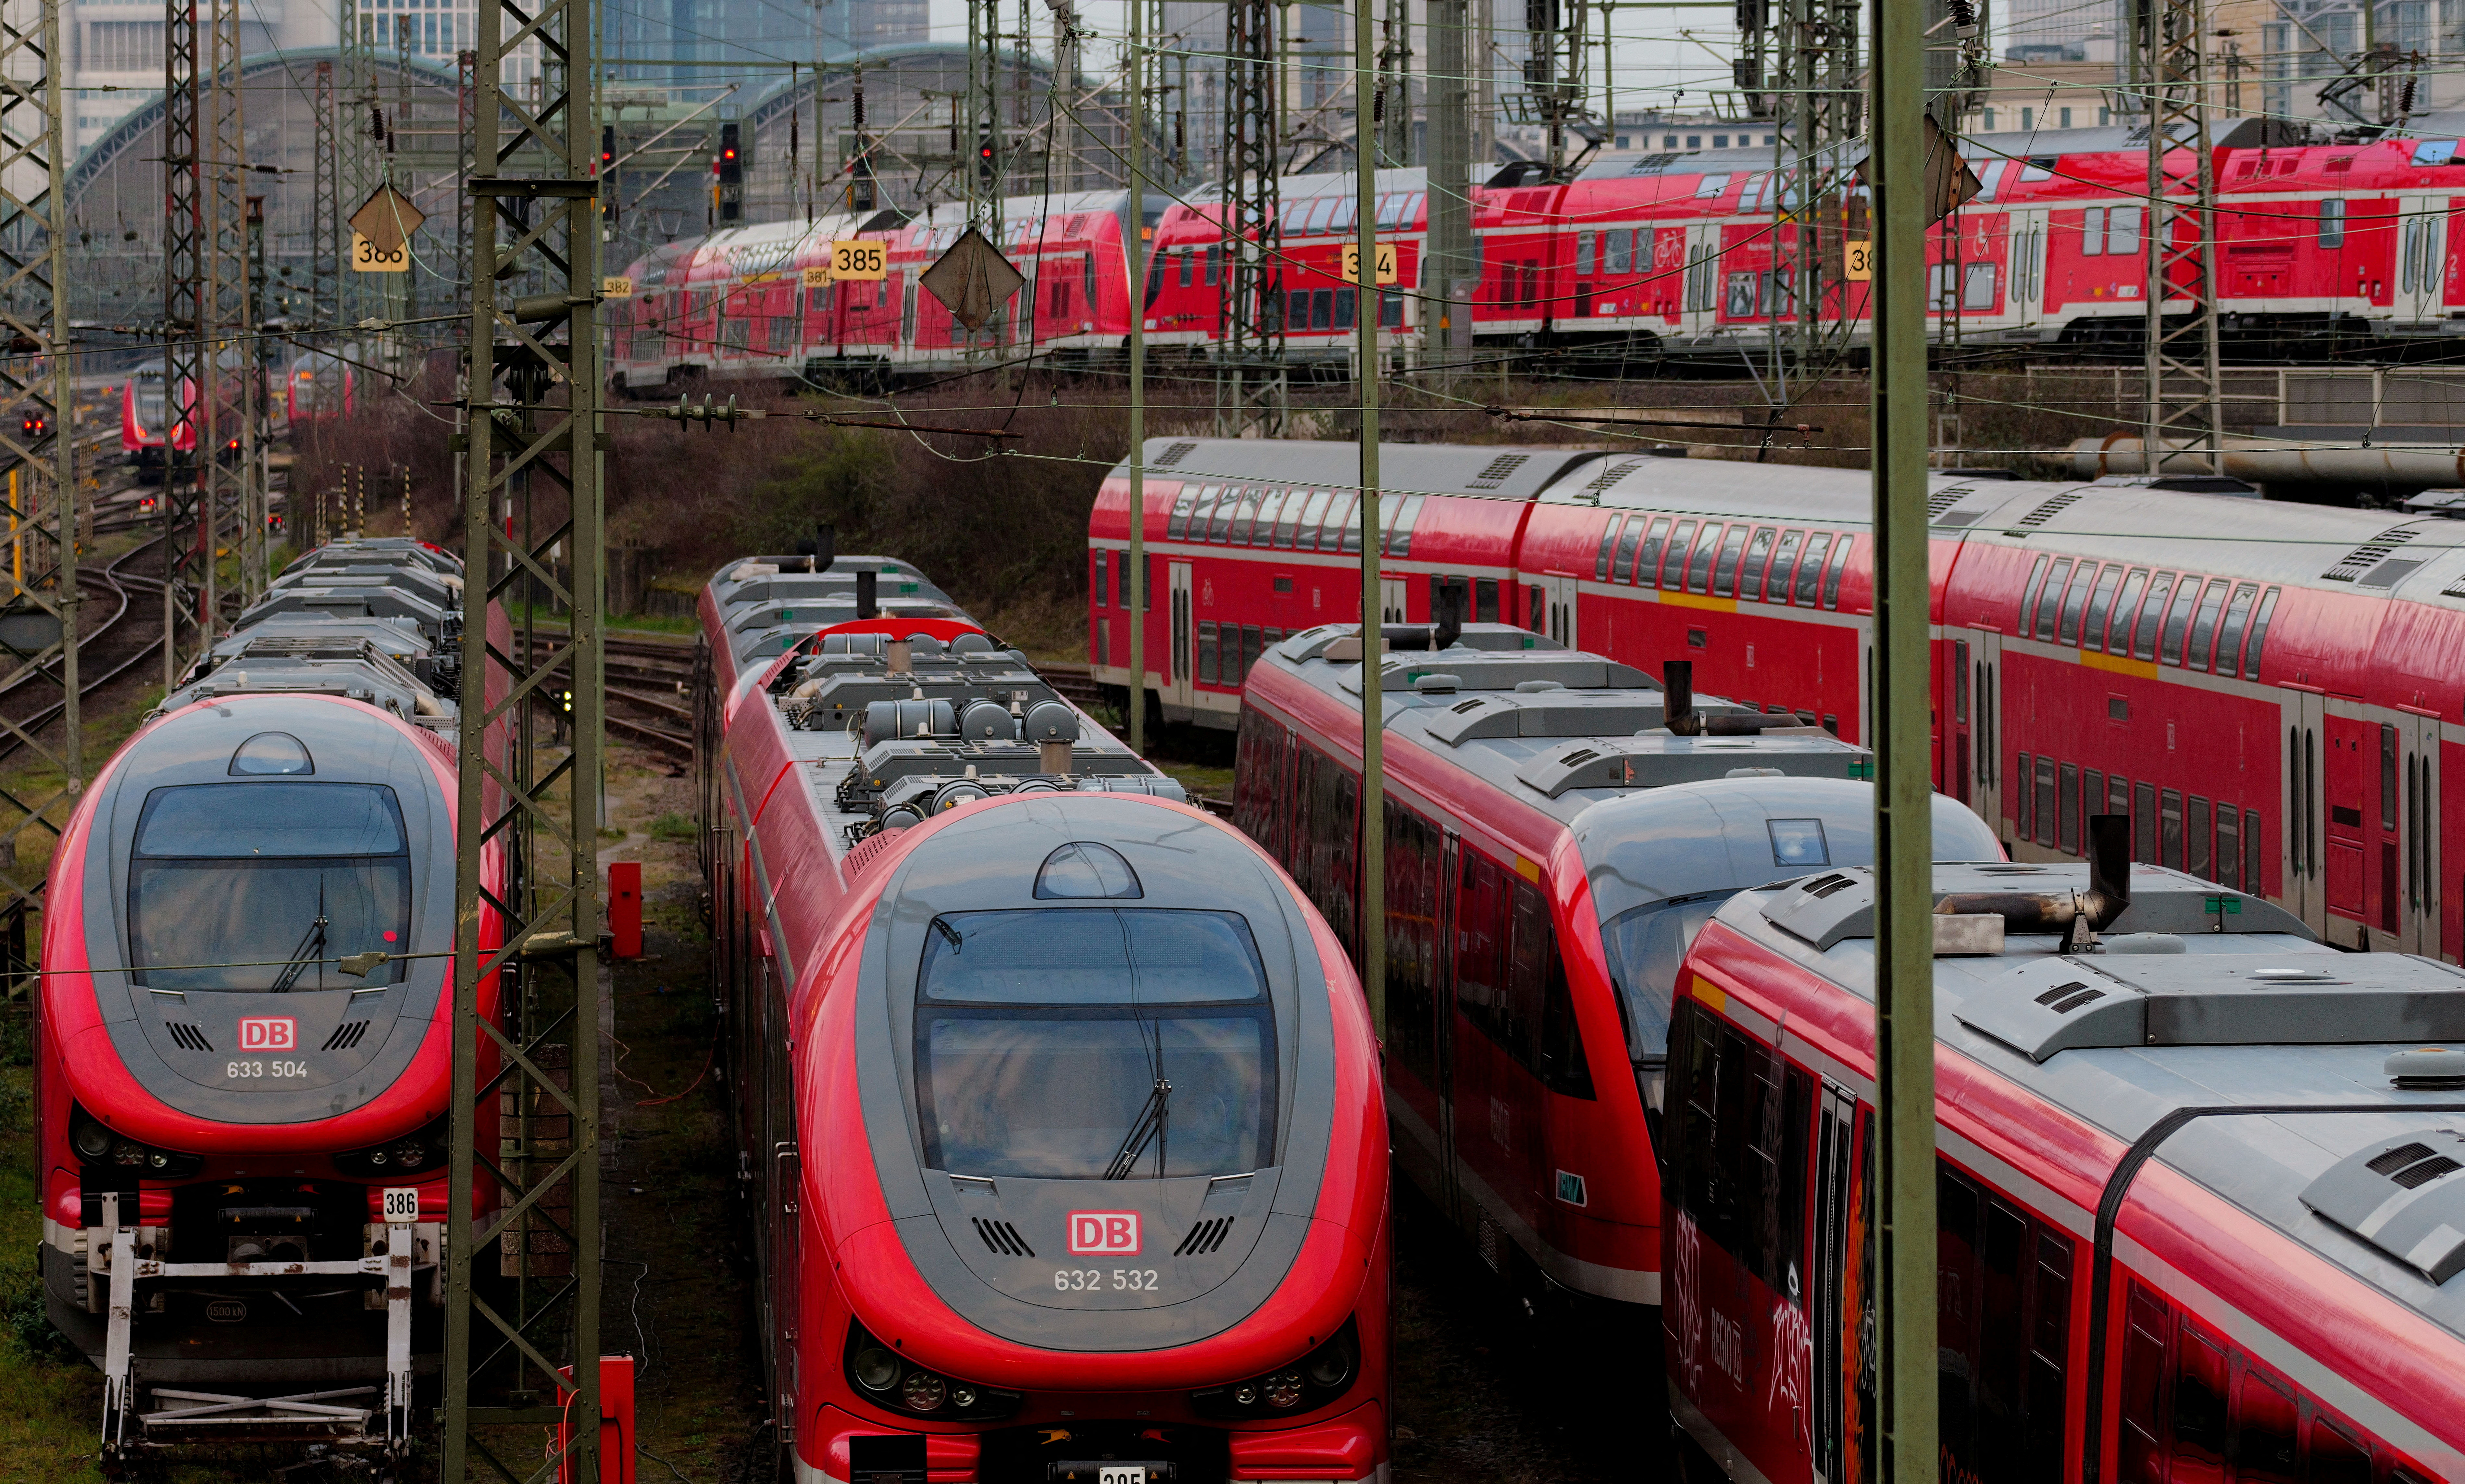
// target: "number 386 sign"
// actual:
[[368, 258], [858, 260]]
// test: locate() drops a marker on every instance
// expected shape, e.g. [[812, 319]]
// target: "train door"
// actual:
[[1834, 1326], [2422, 257], [2417, 877], [2349, 758], [1181, 661], [1981, 748], [1393, 593], [783, 1288], [1702, 279], [1562, 608], [2026, 289], [2298, 837]]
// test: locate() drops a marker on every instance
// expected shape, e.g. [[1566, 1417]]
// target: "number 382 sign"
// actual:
[[368, 258]]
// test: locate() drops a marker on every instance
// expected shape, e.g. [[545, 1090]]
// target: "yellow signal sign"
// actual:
[[368, 258], [616, 288], [1857, 260], [859, 261], [1386, 262], [817, 277]]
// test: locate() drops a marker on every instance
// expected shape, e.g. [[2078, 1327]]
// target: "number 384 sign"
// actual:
[[368, 258]]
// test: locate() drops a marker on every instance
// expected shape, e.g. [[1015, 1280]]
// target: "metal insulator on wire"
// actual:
[[2405, 96], [376, 124], [855, 107], [1378, 106]]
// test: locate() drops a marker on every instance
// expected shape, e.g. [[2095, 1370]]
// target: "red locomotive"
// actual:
[[242, 1055], [2194, 1184], [1058, 1104], [145, 422], [1557, 828], [2266, 703]]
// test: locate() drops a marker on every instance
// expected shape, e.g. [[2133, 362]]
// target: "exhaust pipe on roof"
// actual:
[[2078, 915], [1449, 616], [826, 546], [865, 605], [1677, 699]]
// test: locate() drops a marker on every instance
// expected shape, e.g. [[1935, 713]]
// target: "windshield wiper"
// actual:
[[311, 949], [1149, 1129]]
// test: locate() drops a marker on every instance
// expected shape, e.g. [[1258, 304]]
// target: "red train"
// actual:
[[242, 1145], [319, 386], [146, 422], [2195, 1187], [2321, 250], [2265, 688], [1557, 827], [1060, 1106]]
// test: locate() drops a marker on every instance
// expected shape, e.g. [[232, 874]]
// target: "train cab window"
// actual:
[[2229, 633], [2258, 633], [1641, 565], [2332, 223], [1725, 574], [2116, 638], [1673, 561], [1750, 577], [2152, 616], [2204, 627], [2100, 605], [284, 877], [2178, 618], [1627, 540], [2075, 599], [1784, 566], [1046, 1039], [1313, 515], [1644, 946], [2263, 1431], [1810, 570], [1698, 567], [2093, 231], [1584, 253], [1833, 573], [1608, 548]]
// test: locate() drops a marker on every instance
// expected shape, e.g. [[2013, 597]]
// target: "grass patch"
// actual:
[[673, 826]]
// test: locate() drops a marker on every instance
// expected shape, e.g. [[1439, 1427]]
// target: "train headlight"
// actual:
[[1284, 1389], [1306, 1385], [1246, 1394], [876, 1369], [924, 1391], [95, 1143], [407, 1155], [90, 1138], [963, 1397]]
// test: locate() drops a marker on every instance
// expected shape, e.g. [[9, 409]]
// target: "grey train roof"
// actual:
[[373, 621], [2236, 1008], [1403, 468], [767, 604]]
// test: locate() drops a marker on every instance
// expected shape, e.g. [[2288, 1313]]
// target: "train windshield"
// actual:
[[1645, 946], [258, 887], [1085, 1043], [149, 401]]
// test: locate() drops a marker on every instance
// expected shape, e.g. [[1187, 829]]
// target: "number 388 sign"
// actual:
[[859, 260], [368, 258]]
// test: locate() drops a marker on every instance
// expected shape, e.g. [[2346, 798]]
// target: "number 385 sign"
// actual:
[[368, 258], [859, 260]]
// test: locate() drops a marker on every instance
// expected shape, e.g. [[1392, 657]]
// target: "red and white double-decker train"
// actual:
[[2198, 1188]]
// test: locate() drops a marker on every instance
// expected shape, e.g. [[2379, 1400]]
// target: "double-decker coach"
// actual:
[[2199, 1186], [1557, 827]]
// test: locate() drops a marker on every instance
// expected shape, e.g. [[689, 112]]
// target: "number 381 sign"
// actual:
[[368, 258], [858, 260]]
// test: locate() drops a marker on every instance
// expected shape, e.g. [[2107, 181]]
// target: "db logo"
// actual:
[[269, 1033], [1103, 1233]]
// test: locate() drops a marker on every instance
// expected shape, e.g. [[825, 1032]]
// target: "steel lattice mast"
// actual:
[[1250, 382], [355, 159], [1821, 112], [186, 309], [2184, 389], [230, 350], [325, 271], [531, 488], [39, 573]]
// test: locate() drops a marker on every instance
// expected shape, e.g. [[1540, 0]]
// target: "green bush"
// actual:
[[673, 826]]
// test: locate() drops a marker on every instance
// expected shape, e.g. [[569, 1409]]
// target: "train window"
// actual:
[[1482, 926], [1414, 882], [2199, 1410], [1608, 548], [1831, 574], [1621, 250], [1288, 517], [2144, 824], [2204, 627], [2117, 640], [1699, 565], [2263, 1431], [2100, 605], [1537, 607], [275, 879], [1177, 524], [2050, 601], [1776, 583], [2169, 828], [1348, 214], [2152, 615], [2337, 1459], [2093, 231], [1484, 600], [1245, 515], [1640, 566], [1391, 311], [1103, 580], [2028, 595], [1253, 644], [2258, 633], [2178, 618], [2229, 635], [1016, 1076], [2067, 797], [2092, 792], [2118, 795], [1809, 571], [1711, 187], [1644, 946], [1228, 504], [1214, 262], [1960, 680], [1338, 532], [1958, 1304], [2229, 847], [1313, 515], [2332, 223], [1399, 540], [1750, 578], [1584, 253], [1725, 574], [2075, 599], [1298, 316], [2196, 859], [2388, 778], [1209, 665], [2143, 1381], [1344, 300], [1673, 561], [1323, 309], [2122, 231], [2047, 810], [1189, 263]]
